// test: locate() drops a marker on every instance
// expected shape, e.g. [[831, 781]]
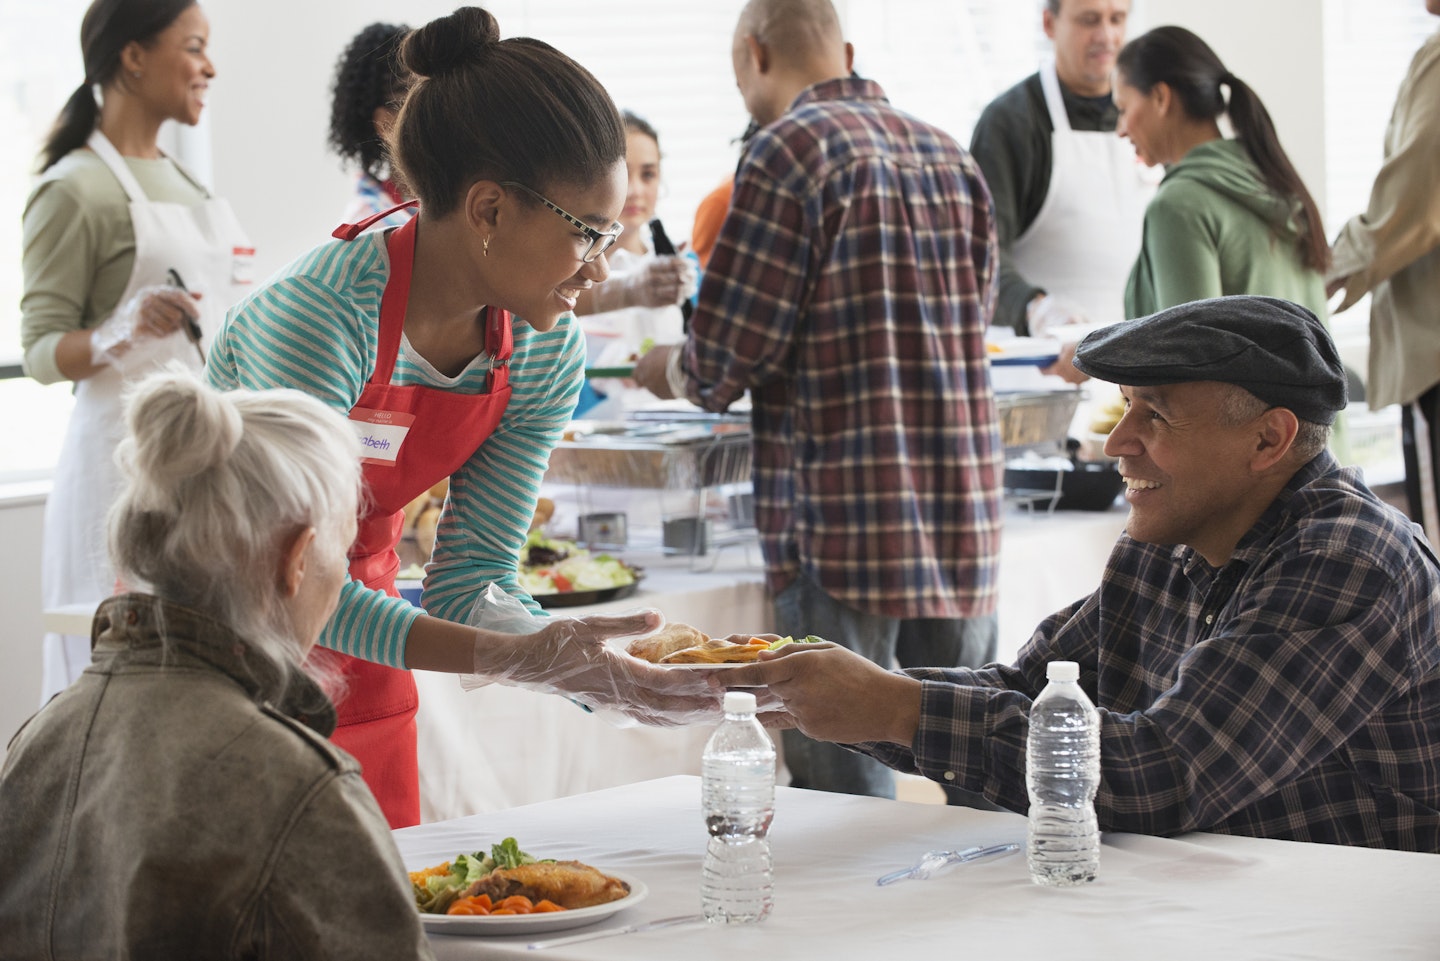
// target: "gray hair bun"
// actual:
[[179, 430]]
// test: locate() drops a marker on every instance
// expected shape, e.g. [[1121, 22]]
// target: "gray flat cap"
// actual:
[[1277, 350]]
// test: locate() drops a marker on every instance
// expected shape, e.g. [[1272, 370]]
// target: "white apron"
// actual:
[[205, 245], [1087, 235]]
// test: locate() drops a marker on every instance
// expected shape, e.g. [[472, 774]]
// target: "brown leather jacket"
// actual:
[[159, 808]]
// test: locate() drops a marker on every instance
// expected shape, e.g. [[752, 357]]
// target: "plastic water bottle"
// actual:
[[738, 799], [1062, 773]]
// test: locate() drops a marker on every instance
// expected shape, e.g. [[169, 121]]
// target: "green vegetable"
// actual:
[[507, 854], [808, 639]]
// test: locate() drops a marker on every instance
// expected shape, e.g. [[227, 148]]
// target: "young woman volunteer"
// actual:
[[639, 304], [516, 154], [129, 262]]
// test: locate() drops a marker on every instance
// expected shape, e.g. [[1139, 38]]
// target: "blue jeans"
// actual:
[[803, 608]]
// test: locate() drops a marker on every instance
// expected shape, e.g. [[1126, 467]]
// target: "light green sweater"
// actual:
[[1215, 229], [79, 248]]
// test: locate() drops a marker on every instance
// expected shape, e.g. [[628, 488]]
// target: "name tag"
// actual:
[[381, 433], [242, 265]]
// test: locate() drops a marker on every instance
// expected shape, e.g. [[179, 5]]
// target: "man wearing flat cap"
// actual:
[[1263, 643]]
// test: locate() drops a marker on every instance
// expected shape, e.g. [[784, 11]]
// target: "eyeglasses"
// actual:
[[600, 241]]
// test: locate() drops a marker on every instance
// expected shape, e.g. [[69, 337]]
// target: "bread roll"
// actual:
[[425, 526], [544, 510]]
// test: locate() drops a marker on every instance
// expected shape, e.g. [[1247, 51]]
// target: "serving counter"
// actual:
[[499, 747], [475, 747]]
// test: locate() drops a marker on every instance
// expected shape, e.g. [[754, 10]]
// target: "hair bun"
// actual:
[[178, 429], [450, 43]]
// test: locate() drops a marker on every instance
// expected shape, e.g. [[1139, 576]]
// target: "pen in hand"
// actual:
[[192, 327]]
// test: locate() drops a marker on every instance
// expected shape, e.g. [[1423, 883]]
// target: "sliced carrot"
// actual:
[[545, 905], [517, 904], [479, 904]]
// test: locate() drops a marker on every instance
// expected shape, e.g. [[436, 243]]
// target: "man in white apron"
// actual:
[[1069, 194], [202, 248]]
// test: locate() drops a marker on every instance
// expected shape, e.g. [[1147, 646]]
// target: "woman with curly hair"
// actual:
[[367, 92]]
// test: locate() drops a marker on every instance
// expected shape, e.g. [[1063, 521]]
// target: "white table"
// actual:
[[1200, 896]]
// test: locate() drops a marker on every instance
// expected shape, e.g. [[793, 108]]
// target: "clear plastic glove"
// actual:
[[1046, 313], [658, 282], [129, 338], [571, 657]]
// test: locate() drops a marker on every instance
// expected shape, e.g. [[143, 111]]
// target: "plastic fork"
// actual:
[[931, 862]]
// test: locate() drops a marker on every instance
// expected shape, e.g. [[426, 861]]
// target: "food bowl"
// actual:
[[1090, 486]]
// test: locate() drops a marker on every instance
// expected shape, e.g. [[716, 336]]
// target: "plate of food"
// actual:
[[685, 647], [559, 573], [511, 892]]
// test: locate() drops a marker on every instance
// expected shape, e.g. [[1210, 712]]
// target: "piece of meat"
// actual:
[[670, 638], [569, 884]]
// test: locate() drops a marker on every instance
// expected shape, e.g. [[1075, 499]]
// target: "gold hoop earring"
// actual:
[[485, 247]]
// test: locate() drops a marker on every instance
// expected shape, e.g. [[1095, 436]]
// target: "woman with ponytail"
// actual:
[[129, 262], [450, 344], [175, 801], [1231, 216]]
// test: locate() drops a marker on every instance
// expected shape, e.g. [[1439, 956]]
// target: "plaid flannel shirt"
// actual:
[[1293, 693], [849, 291]]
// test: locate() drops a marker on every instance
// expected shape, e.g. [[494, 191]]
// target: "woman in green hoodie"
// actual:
[[1231, 216]]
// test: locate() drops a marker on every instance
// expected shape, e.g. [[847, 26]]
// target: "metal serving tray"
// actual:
[[1036, 418], [672, 456]]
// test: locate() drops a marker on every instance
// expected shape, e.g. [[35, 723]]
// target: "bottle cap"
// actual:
[[1061, 671], [739, 702]]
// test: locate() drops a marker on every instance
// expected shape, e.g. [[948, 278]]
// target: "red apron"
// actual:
[[377, 714]]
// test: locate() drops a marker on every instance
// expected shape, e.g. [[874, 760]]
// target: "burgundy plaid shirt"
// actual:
[[849, 291]]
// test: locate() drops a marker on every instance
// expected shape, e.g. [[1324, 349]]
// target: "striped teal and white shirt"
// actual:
[[314, 327]]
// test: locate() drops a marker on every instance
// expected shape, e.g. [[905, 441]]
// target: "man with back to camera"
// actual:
[[849, 291], [1069, 194], [1262, 646]]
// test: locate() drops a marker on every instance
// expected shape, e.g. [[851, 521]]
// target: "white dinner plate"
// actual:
[[1026, 351], [474, 926]]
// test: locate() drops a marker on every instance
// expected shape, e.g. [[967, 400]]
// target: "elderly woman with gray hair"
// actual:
[[181, 799]]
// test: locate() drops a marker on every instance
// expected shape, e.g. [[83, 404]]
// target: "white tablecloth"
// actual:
[[498, 747], [1201, 896]]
